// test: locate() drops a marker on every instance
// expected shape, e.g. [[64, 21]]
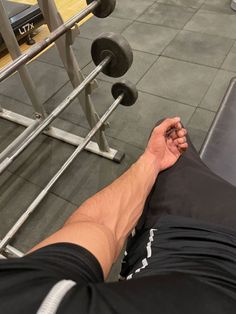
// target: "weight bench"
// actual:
[[24, 19], [218, 151]]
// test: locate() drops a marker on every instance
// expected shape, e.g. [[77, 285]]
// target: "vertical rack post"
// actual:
[[64, 46], [14, 50]]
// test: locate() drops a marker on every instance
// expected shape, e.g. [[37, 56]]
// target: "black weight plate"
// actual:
[[128, 89], [104, 9], [118, 48]]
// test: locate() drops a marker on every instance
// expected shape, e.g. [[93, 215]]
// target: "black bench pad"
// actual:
[[219, 149]]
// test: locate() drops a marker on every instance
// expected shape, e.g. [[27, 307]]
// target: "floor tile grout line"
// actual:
[[203, 96], [136, 19], [161, 96], [173, 100], [127, 26], [158, 25], [181, 5], [149, 68], [46, 62], [141, 12], [191, 62], [168, 26], [175, 5], [29, 104], [201, 32], [209, 34], [21, 102], [39, 186], [228, 55], [121, 17], [45, 102]]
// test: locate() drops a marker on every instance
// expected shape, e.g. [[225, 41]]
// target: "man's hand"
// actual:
[[167, 142]]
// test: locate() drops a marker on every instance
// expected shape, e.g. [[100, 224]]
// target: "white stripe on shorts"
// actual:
[[149, 253], [53, 299]]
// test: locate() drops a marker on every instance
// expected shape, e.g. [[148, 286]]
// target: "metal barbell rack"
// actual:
[[121, 99], [62, 35]]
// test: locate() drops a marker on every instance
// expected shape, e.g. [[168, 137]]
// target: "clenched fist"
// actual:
[[167, 142]]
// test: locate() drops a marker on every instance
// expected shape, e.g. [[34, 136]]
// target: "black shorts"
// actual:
[[25, 282], [66, 279]]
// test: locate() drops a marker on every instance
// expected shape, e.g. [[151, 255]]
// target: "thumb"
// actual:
[[168, 124]]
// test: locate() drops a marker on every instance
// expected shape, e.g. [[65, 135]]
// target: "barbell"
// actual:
[[100, 8], [117, 60], [125, 94], [117, 49], [104, 8]]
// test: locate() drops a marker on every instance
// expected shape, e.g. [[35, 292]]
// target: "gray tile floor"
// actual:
[[184, 58]]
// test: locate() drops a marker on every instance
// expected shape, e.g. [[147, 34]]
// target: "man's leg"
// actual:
[[191, 189], [187, 189]]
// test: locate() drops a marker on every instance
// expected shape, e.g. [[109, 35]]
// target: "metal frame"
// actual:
[[217, 117], [23, 58], [10, 251], [82, 89], [68, 57], [63, 35], [61, 135], [14, 50], [44, 123]]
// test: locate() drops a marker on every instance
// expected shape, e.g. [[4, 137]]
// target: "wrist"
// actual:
[[152, 160]]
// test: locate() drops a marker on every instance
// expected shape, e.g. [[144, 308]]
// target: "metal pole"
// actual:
[[45, 191], [15, 52], [32, 52], [19, 139], [64, 45], [54, 114], [13, 251], [62, 135]]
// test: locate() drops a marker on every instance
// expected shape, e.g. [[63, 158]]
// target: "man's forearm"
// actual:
[[119, 205]]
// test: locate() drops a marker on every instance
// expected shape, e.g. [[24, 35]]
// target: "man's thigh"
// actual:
[[26, 283], [191, 189]]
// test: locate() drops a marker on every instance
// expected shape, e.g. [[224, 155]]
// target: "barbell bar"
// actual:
[[100, 8], [127, 97], [117, 60]]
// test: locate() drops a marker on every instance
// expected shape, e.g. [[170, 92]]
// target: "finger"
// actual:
[[180, 140], [182, 132], [168, 124], [179, 125], [183, 147], [173, 135]]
